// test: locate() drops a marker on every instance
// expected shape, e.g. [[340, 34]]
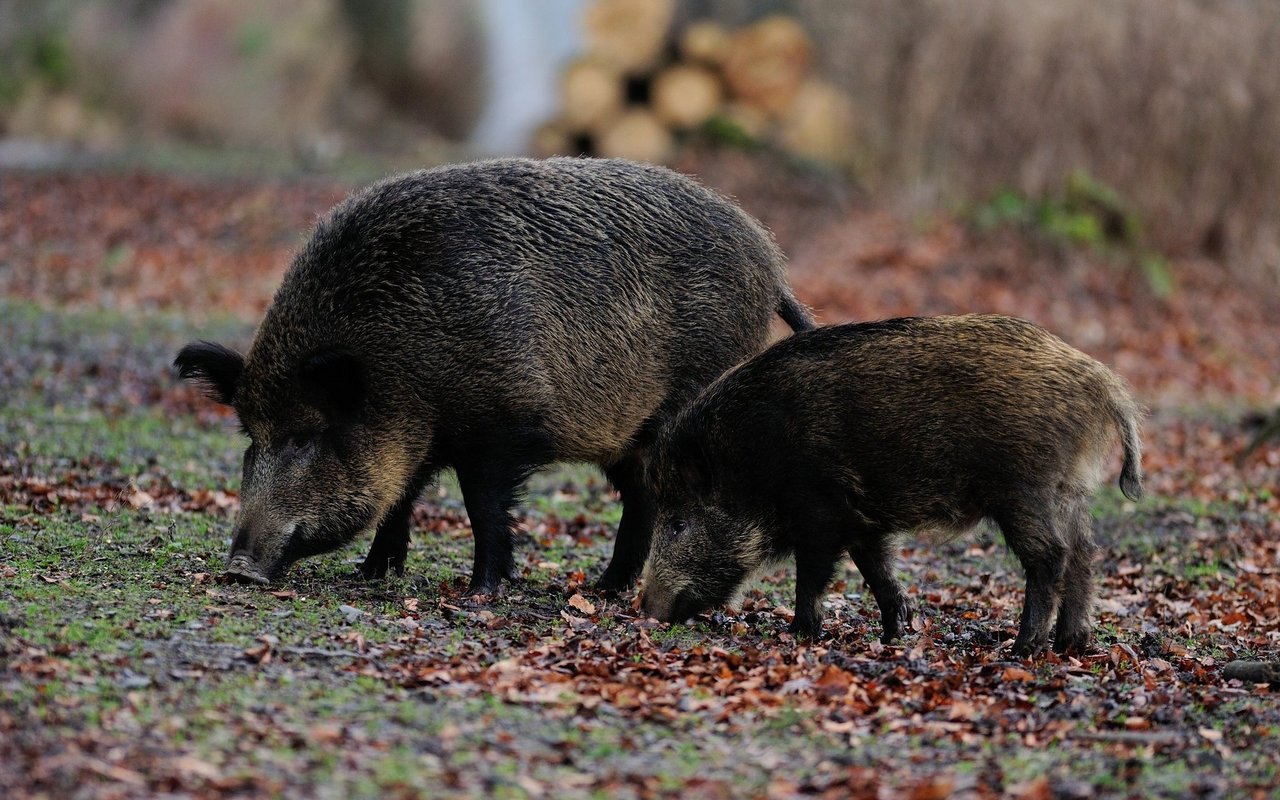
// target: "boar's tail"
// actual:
[[794, 313], [1127, 415]]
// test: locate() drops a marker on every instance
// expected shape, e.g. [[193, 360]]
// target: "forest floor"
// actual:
[[129, 669]]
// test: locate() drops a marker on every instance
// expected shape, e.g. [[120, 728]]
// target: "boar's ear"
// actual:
[[213, 366], [333, 381], [694, 467]]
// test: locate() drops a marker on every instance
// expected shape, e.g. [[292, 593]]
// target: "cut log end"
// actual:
[[704, 42], [766, 63], [820, 123], [629, 34], [593, 92], [686, 96], [637, 135]]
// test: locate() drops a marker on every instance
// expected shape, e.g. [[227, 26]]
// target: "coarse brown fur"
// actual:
[[844, 438], [491, 317]]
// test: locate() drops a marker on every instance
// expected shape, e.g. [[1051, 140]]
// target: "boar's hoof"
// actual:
[[480, 589], [613, 584], [896, 621], [623, 571], [243, 569], [1075, 642], [1029, 646], [806, 628], [373, 569]]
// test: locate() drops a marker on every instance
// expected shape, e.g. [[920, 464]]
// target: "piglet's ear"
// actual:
[[695, 468], [334, 381], [214, 367]]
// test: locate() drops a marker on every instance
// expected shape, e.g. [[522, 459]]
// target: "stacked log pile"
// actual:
[[641, 88]]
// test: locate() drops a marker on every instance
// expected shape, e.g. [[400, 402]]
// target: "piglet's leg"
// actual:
[[875, 561], [814, 568], [1034, 536], [1071, 634]]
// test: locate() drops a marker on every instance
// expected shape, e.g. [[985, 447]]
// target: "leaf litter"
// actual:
[[1189, 581]]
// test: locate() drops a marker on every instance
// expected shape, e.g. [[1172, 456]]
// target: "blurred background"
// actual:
[[1160, 115], [1108, 169]]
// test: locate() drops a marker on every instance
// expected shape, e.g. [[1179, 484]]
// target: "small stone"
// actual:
[[350, 612]]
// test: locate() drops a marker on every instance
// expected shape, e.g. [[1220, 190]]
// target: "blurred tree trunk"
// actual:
[[425, 59]]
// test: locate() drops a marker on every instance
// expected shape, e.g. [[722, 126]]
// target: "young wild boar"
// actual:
[[492, 317], [842, 439]]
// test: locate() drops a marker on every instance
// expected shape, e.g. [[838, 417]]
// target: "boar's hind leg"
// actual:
[[875, 560], [635, 530], [1034, 535], [1071, 635], [489, 493]]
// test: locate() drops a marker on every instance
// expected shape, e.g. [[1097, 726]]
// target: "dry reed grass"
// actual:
[[1175, 103]]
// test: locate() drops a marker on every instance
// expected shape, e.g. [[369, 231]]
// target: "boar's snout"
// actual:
[[245, 566], [667, 606], [244, 569]]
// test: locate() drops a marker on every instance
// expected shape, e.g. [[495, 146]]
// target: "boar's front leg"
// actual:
[[635, 529], [390, 546], [489, 493], [391, 542], [875, 559]]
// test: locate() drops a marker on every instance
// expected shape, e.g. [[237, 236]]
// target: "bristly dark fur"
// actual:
[[494, 317], [840, 440]]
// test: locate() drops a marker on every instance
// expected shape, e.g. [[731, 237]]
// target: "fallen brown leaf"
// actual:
[[582, 604]]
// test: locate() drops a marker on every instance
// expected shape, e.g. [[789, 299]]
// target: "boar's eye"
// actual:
[[302, 443], [677, 528]]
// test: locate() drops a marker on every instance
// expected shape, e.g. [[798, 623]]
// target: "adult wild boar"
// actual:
[[841, 439], [492, 317]]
